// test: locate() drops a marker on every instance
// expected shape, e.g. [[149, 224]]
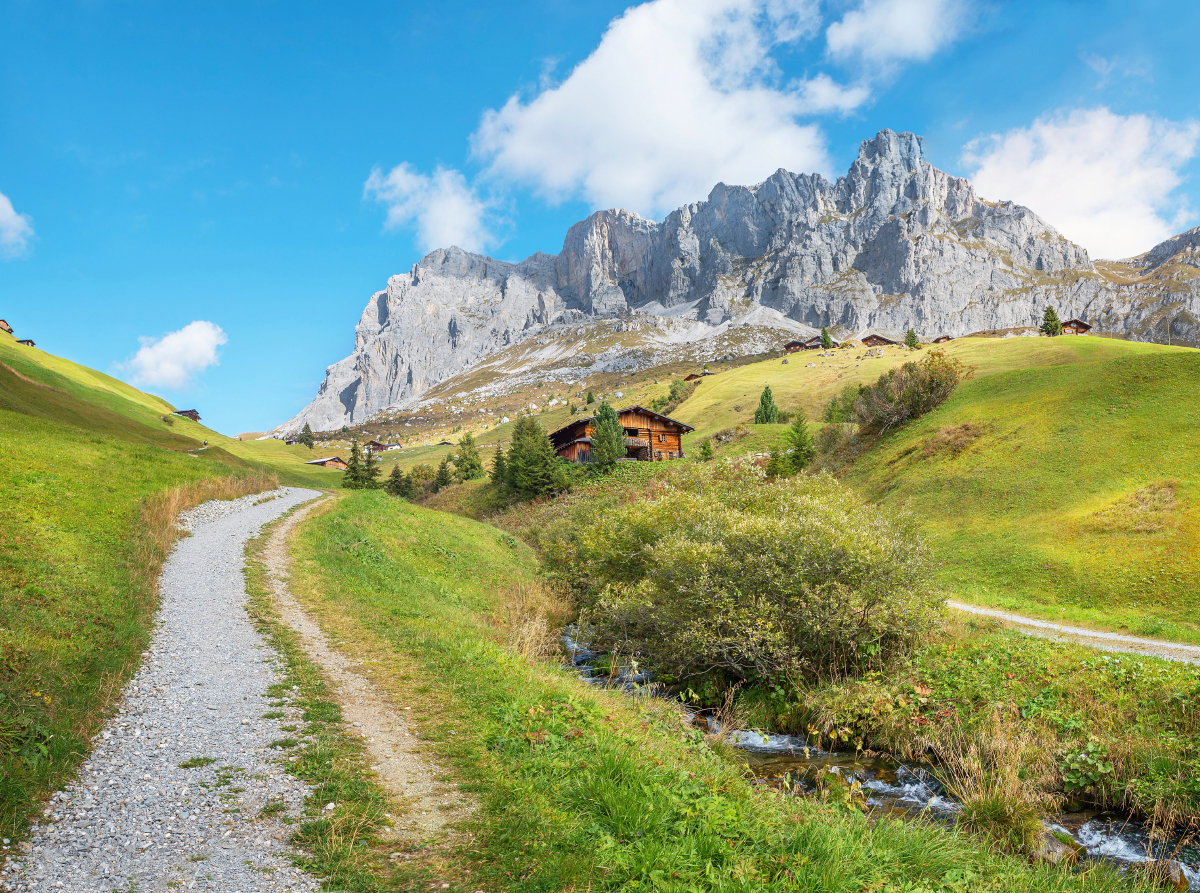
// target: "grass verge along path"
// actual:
[[580, 788]]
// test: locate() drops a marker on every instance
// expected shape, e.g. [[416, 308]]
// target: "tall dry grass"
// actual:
[[1003, 775], [157, 533], [533, 616]]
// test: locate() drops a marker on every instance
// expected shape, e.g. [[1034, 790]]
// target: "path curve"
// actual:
[[428, 806], [1048, 629], [136, 819]]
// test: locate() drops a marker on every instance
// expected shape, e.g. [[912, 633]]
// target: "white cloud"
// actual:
[[881, 32], [1104, 180], [679, 94], [15, 230], [444, 208], [172, 360]]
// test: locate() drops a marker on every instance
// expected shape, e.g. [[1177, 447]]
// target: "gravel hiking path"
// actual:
[[427, 807], [1047, 629], [135, 819]]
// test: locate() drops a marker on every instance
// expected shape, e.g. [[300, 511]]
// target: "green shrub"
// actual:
[[722, 570], [767, 412], [840, 407], [908, 392]]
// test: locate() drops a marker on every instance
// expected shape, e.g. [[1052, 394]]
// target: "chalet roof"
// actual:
[[5, 326], [190, 413], [28, 342], [1076, 322], [635, 408], [323, 461], [889, 334]]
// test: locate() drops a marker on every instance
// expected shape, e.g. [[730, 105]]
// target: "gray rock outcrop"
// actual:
[[894, 244]]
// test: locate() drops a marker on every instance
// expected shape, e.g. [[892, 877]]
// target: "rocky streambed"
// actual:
[[888, 787]]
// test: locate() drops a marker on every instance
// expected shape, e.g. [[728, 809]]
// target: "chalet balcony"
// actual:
[[637, 442]]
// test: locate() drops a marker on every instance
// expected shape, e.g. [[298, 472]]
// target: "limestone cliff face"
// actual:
[[894, 244]]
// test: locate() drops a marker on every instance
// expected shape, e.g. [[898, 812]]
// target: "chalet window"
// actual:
[[662, 438]]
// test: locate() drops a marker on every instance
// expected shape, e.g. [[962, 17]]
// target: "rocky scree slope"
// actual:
[[896, 243]]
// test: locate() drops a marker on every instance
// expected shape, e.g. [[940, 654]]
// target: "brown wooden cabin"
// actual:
[[5, 327], [942, 339], [1075, 327], [374, 446], [814, 343], [445, 443], [874, 339], [188, 414], [330, 462], [649, 436], [695, 376], [793, 346], [28, 342]]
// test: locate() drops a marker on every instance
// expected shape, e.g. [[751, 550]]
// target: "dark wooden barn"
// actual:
[[5, 327], [330, 462], [649, 436], [188, 414], [942, 339], [28, 342]]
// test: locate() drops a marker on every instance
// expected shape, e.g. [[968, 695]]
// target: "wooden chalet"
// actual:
[[793, 346], [374, 446], [871, 338], [1075, 327], [188, 414], [28, 342], [695, 376], [649, 436], [942, 339], [330, 462], [5, 327]]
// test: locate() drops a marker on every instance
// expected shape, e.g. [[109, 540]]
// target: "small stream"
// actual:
[[907, 791]]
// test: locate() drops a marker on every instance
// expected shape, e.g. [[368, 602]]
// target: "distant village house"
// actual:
[[649, 436], [879, 339], [331, 462], [5, 327], [1075, 327], [793, 346], [188, 414], [374, 446], [28, 342], [942, 339]]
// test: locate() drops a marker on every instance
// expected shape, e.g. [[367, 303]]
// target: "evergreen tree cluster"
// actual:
[[400, 484], [910, 340], [530, 468], [362, 469]]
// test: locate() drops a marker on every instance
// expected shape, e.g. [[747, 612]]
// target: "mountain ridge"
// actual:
[[893, 244]]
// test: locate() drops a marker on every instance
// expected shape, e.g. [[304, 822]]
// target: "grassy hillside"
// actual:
[[90, 478], [1060, 480], [577, 787]]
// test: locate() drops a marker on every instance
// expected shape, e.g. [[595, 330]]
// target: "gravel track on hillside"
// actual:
[[135, 819], [1046, 629]]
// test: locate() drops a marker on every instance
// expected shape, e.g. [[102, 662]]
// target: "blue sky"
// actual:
[[200, 198]]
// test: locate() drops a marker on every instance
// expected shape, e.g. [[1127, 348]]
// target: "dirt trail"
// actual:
[[429, 806], [1047, 629]]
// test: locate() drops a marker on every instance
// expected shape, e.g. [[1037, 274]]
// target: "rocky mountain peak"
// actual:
[[893, 244]]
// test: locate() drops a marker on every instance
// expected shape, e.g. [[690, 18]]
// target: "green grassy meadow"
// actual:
[[85, 461], [577, 787], [1058, 481]]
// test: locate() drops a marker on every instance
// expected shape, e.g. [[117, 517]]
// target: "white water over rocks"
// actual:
[[134, 819]]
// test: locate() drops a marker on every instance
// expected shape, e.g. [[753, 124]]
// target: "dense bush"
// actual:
[[840, 407], [908, 392], [722, 571]]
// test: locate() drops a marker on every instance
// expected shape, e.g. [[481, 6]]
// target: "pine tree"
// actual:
[[1051, 324], [706, 450], [467, 463], [369, 471], [397, 483], [910, 340], [533, 468], [767, 412], [799, 442], [442, 479], [826, 341], [352, 477], [499, 473], [306, 436], [591, 398], [608, 438]]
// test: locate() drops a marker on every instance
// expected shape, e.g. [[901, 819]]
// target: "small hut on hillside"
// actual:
[[5, 327], [1075, 327], [188, 414], [942, 339], [329, 462], [28, 342], [880, 338]]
